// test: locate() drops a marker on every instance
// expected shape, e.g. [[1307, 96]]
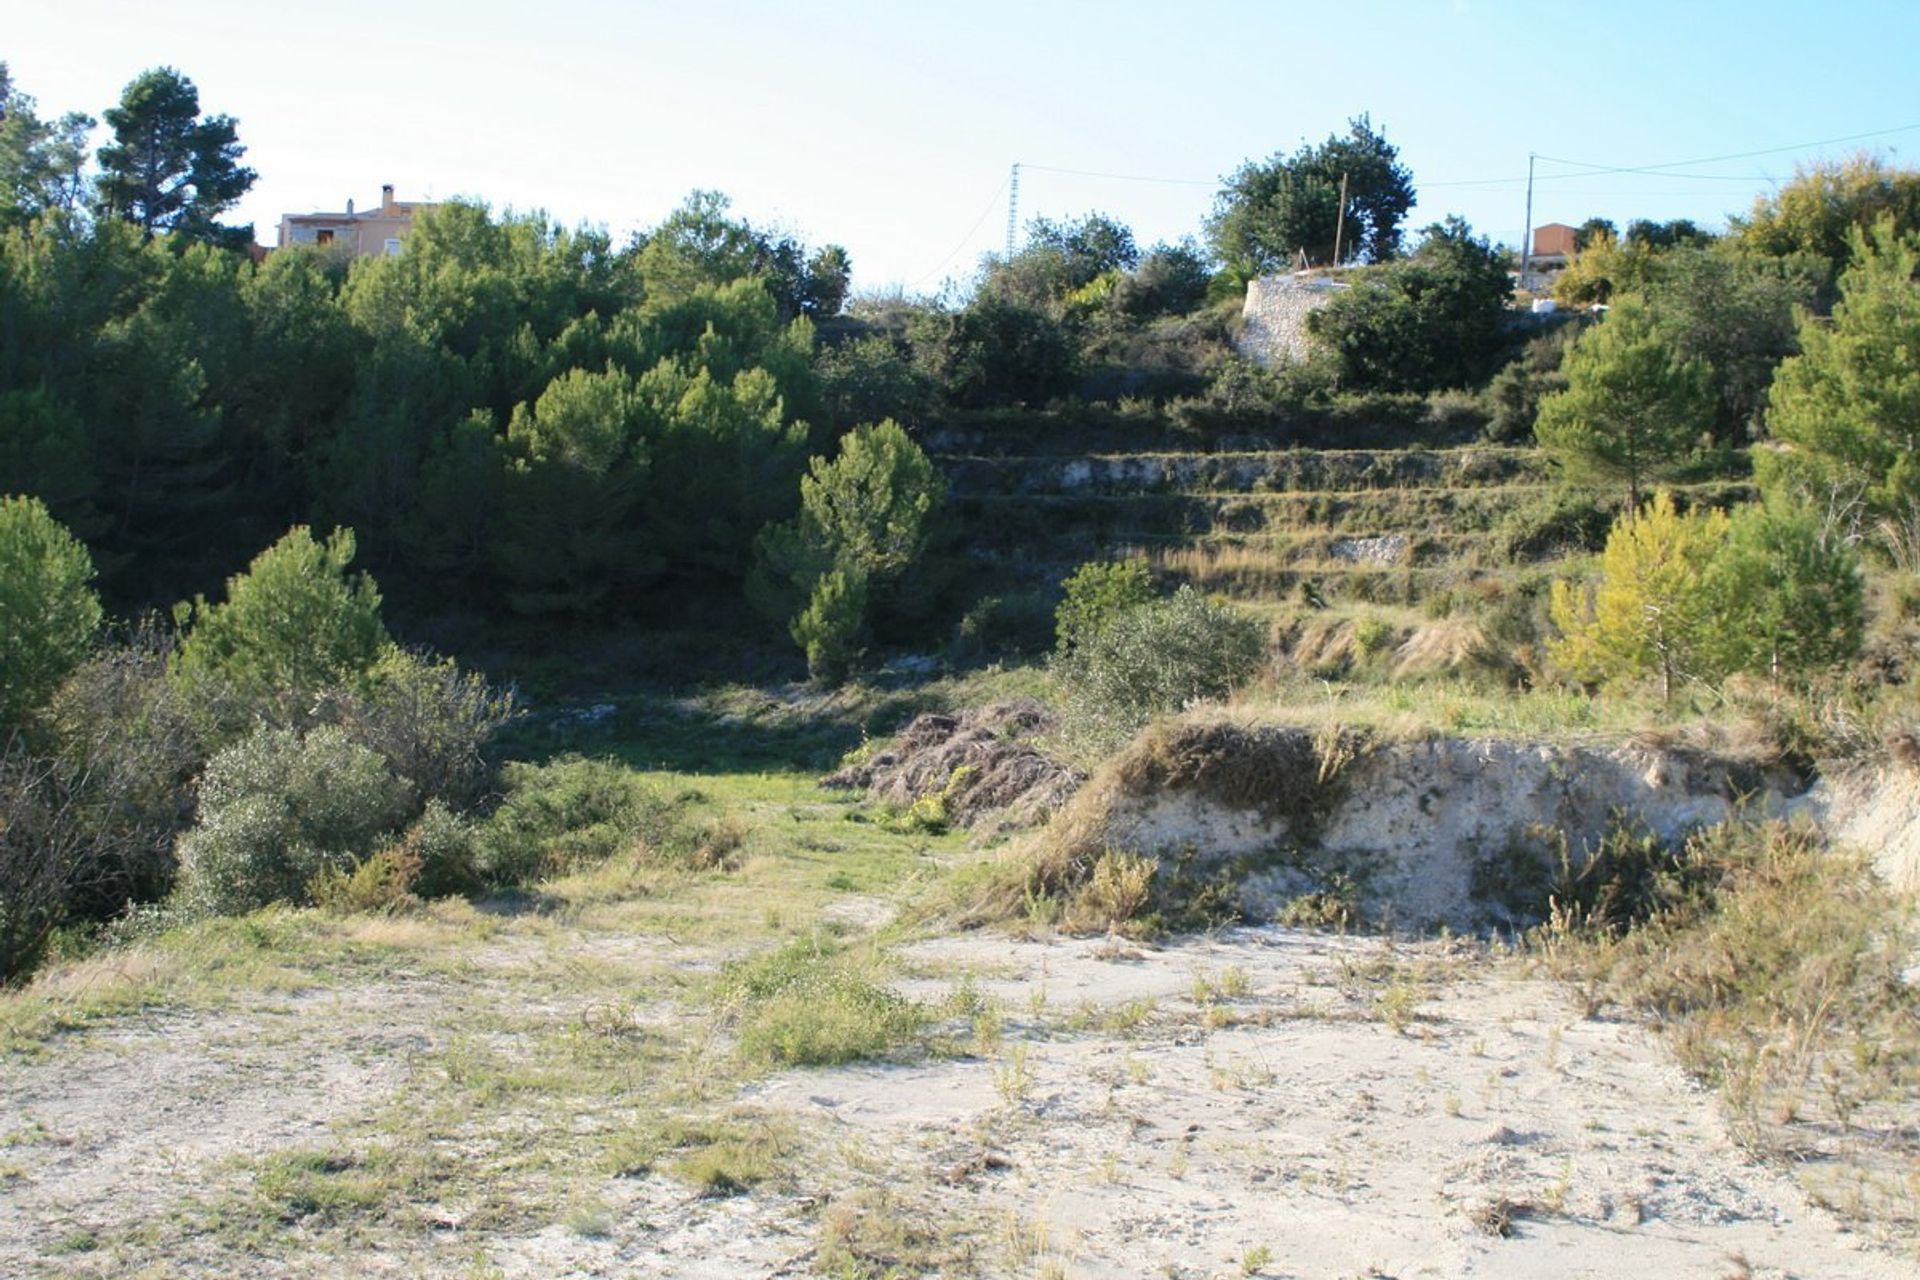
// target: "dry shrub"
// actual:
[[1119, 889], [1284, 774], [972, 767], [1325, 646], [381, 883], [717, 845], [1777, 966], [1278, 772]]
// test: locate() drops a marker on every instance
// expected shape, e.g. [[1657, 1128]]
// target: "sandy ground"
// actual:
[[1494, 1134], [1264, 1102]]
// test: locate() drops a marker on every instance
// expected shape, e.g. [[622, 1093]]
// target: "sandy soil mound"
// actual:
[[982, 762], [1460, 832]]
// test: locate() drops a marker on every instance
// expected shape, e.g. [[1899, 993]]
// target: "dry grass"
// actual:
[[1776, 966], [1073, 872]]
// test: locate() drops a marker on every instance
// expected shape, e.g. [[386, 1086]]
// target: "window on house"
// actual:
[[323, 236], [393, 248]]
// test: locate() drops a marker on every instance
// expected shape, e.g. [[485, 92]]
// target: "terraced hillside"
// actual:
[[1389, 526]]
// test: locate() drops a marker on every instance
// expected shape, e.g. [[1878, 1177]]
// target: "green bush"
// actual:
[[133, 740], [1020, 623], [812, 1004], [48, 852], [1096, 592], [565, 815], [1513, 397], [441, 844], [1156, 658], [291, 625], [830, 628], [854, 553], [1555, 523], [48, 612], [429, 721], [278, 807]]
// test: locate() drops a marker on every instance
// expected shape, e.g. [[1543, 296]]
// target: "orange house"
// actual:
[[1554, 240], [377, 232]]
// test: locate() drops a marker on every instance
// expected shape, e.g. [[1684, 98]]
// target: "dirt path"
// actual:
[[1269, 1102]]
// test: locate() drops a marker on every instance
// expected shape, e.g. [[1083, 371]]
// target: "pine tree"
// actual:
[[1632, 408], [1847, 408], [167, 169], [1651, 612]]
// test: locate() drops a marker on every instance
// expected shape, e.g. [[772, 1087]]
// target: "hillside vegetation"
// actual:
[[438, 656]]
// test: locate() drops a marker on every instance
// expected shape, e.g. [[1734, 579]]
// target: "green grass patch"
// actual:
[[717, 1156], [814, 1003]]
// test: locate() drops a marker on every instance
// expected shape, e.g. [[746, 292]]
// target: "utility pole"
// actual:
[[1526, 236], [1013, 207], [1340, 223]]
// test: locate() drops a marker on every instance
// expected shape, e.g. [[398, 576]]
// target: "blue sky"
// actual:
[[890, 128]]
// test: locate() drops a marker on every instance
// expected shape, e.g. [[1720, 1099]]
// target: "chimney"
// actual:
[[349, 208], [386, 198]]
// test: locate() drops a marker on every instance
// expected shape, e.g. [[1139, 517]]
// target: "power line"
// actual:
[[993, 203], [1587, 169], [1736, 155], [1662, 169], [1126, 177]]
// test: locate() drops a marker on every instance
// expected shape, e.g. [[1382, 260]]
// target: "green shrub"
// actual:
[[48, 612], [1021, 623], [1790, 594], [830, 628], [382, 882], [47, 853], [867, 519], [1095, 593], [1155, 658], [1513, 397], [1373, 636], [441, 844], [1560, 521], [566, 815], [291, 625], [428, 719], [279, 806]]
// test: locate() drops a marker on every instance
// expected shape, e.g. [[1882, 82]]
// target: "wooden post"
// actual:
[[1340, 223]]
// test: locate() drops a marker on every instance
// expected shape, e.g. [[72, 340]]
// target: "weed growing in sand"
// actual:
[[1255, 1260], [1230, 983], [590, 1220], [1026, 1242], [1013, 1079], [1118, 890], [810, 1003], [1125, 1019], [719, 1156], [872, 1233], [1399, 1000], [989, 1027]]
